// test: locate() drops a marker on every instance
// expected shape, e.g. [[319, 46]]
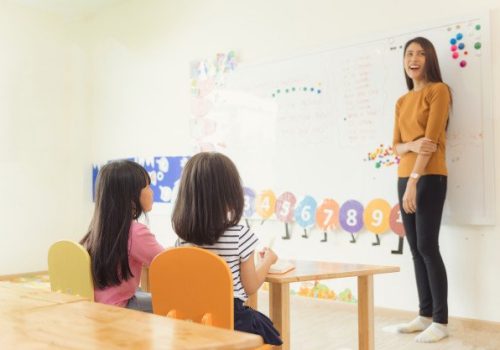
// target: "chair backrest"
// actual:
[[192, 283], [70, 270]]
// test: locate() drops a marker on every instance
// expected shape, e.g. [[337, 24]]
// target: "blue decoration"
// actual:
[[305, 213], [165, 172]]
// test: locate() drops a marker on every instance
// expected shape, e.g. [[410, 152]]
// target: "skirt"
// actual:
[[249, 320]]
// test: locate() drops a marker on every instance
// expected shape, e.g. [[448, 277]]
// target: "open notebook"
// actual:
[[281, 266]]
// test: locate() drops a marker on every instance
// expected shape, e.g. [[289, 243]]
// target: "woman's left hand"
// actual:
[[410, 197]]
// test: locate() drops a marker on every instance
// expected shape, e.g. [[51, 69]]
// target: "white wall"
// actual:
[[136, 67], [42, 129]]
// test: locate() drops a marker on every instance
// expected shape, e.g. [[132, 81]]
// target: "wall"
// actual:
[[136, 67], [42, 133]]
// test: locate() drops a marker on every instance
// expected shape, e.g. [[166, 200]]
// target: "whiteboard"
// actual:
[[308, 124]]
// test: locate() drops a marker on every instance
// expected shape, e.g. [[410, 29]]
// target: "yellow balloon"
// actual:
[[376, 216], [265, 203]]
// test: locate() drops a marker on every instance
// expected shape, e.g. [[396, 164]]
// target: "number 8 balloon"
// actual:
[[351, 217]]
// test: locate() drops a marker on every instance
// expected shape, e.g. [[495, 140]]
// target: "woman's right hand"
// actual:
[[423, 146]]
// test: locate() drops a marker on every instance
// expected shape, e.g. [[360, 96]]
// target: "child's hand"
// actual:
[[268, 255]]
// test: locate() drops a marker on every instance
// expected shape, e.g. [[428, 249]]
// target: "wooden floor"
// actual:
[[324, 325]]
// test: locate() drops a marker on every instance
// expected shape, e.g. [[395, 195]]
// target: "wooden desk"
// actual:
[[87, 325], [279, 294], [16, 297]]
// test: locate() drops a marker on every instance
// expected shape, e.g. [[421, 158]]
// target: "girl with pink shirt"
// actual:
[[119, 245]]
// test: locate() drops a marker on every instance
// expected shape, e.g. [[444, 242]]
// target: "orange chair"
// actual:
[[194, 284]]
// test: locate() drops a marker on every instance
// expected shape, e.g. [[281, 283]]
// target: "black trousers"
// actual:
[[422, 233]]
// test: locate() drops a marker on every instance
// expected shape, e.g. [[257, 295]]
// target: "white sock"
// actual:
[[434, 333], [417, 325]]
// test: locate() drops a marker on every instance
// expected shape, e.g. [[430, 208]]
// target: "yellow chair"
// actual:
[[194, 284], [70, 270]]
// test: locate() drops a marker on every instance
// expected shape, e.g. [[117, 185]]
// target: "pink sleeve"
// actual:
[[143, 244]]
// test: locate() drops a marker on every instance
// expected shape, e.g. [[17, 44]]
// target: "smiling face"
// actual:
[[414, 62]]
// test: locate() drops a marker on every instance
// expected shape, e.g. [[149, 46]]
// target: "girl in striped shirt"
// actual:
[[207, 214]]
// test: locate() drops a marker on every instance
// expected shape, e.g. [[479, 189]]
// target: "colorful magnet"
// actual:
[[455, 55], [285, 207], [305, 213], [351, 216], [376, 216], [460, 36], [327, 215], [463, 63]]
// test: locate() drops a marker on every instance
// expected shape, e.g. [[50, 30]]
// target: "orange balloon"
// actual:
[[327, 215], [376, 216], [265, 203]]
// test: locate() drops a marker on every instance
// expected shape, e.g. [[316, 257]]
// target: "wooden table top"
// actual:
[[16, 297], [89, 325], [319, 270]]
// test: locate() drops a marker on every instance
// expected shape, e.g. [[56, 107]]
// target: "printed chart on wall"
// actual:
[[315, 130]]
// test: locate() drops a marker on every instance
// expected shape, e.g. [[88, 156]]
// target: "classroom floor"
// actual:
[[331, 325]]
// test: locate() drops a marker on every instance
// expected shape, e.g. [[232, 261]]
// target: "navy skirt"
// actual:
[[249, 320]]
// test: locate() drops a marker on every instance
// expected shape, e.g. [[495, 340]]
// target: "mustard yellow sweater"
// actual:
[[418, 114]]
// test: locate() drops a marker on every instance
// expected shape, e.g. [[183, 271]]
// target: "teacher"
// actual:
[[420, 141]]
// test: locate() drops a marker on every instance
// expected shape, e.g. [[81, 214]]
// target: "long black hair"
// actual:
[[432, 71], [117, 203], [210, 199]]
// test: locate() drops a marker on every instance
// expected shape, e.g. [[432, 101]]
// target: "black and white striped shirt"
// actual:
[[234, 246]]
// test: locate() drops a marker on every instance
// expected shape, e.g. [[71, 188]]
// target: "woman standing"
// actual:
[[420, 140]]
